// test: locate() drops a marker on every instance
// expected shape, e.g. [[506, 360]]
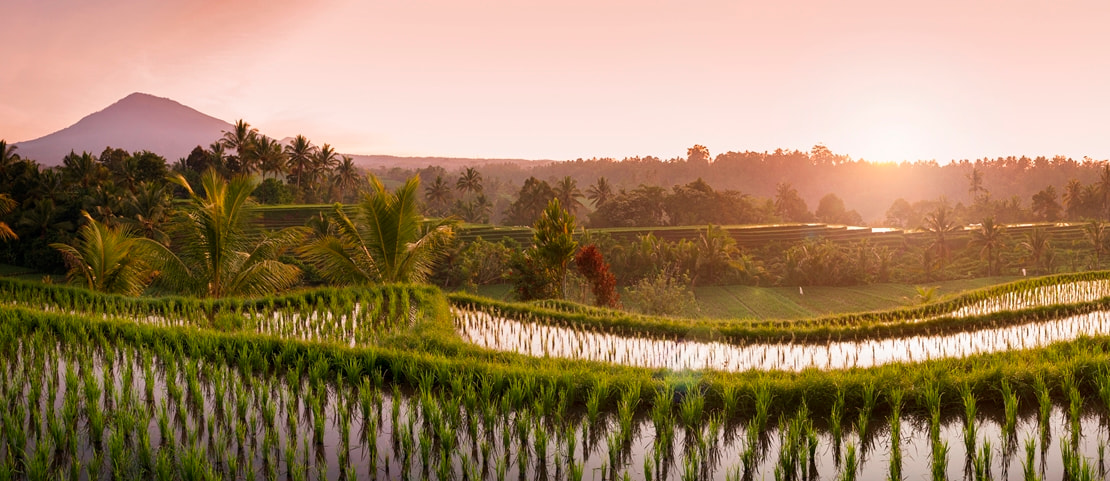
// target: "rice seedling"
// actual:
[[969, 399]]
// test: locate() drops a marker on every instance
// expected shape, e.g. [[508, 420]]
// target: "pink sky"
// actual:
[[881, 80]]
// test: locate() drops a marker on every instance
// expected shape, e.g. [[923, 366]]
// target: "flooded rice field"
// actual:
[[543, 340], [74, 411]]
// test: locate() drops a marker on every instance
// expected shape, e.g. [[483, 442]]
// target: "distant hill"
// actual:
[[145, 122], [136, 122], [448, 163]]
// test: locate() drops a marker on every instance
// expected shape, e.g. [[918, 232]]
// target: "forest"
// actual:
[[958, 212]]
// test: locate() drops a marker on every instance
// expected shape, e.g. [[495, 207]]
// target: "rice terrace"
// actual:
[[721, 240]]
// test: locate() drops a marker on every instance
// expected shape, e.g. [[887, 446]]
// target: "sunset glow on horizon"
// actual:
[[878, 80]]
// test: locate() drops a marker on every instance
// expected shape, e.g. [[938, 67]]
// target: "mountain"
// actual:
[[136, 122]]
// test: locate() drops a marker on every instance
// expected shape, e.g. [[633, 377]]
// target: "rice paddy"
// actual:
[[390, 383]]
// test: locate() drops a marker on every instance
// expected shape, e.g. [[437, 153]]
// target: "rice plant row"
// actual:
[[93, 409]]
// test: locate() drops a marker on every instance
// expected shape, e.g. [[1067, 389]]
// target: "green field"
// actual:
[[749, 302]]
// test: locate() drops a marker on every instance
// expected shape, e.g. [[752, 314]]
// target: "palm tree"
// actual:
[[110, 260], [219, 255], [241, 139], [323, 161], [388, 240], [1104, 189], [7, 155], [1096, 235], [438, 194], [7, 205], [270, 156], [1039, 248], [1073, 199], [217, 157], [147, 210], [346, 176], [470, 182], [566, 190], [990, 238], [600, 192], [940, 224], [975, 180], [300, 153]]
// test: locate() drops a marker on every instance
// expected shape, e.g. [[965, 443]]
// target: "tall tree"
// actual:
[[220, 252], [941, 224], [438, 195], [388, 240], [346, 177], [241, 139], [1073, 199], [600, 192], [789, 205], [1038, 248], [975, 183], [1104, 190], [1045, 206], [323, 162], [300, 153], [470, 181], [1096, 235], [270, 155], [990, 239], [566, 190]]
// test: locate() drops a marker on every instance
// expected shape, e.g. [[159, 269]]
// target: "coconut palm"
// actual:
[[147, 210], [324, 160], [271, 158], [7, 205], [7, 155], [600, 192], [470, 181], [438, 194], [1039, 249], [940, 224], [1104, 189], [975, 183], [1073, 199], [388, 240], [241, 139], [346, 176], [300, 153], [112, 260], [219, 254], [566, 190], [989, 238], [1096, 235]]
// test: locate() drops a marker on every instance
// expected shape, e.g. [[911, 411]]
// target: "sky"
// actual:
[[880, 80]]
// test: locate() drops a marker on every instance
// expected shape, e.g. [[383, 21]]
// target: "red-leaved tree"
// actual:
[[594, 268]]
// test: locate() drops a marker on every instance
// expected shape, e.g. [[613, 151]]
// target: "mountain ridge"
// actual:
[[141, 121], [136, 122]]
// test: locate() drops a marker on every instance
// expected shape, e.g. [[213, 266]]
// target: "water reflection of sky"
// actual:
[[550, 341]]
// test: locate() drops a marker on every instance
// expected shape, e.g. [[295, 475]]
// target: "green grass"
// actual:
[[761, 303], [748, 302]]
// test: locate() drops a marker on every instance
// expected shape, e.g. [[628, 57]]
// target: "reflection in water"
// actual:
[[1069, 293], [541, 340], [290, 425]]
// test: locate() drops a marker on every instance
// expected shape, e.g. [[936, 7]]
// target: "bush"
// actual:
[[663, 295], [273, 192]]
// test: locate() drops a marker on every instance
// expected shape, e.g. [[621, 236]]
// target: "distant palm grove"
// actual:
[[193, 226]]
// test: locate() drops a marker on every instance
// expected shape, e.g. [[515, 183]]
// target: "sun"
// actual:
[[891, 142]]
